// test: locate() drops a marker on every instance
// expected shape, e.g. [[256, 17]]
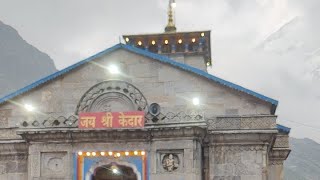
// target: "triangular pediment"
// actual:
[[160, 79]]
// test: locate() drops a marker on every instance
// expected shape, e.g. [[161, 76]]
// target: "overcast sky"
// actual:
[[269, 46]]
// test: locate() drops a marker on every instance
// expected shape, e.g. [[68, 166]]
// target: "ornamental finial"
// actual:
[[170, 28]]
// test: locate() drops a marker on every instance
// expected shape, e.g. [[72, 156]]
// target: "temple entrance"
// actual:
[[114, 172]]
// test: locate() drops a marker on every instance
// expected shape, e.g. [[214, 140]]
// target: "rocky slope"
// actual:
[[20, 62], [303, 162]]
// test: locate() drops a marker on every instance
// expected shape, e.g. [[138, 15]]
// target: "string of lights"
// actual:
[[115, 154]]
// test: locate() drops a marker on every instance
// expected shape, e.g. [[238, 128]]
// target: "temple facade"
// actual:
[[143, 110]]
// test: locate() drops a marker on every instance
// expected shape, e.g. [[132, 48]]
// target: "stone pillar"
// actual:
[[278, 154], [237, 162], [275, 171]]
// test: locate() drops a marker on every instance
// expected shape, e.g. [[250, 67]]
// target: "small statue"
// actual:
[[169, 163]]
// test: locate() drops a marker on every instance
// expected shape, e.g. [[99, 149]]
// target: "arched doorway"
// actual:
[[114, 172]]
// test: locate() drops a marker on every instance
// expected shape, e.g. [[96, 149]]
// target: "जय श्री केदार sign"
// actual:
[[111, 120]]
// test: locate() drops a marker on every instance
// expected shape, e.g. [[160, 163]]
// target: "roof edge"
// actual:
[[148, 54], [283, 129]]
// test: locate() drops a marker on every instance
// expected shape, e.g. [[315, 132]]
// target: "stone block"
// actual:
[[17, 176], [247, 169], [16, 167], [227, 178], [142, 70], [233, 157], [224, 169], [248, 156], [168, 74], [54, 164], [219, 157], [251, 177]]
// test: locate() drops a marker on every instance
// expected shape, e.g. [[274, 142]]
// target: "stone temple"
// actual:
[[143, 110]]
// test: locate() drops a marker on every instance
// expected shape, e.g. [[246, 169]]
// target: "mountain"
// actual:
[[295, 40], [303, 162], [20, 62]]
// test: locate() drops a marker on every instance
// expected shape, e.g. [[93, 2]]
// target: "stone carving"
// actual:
[[173, 117], [242, 122], [35, 165], [14, 156], [170, 162], [112, 96], [61, 121], [111, 102], [53, 164], [281, 141], [238, 148], [275, 162], [4, 115], [279, 154]]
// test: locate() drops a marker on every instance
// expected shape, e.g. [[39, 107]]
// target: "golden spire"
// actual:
[[171, 27]]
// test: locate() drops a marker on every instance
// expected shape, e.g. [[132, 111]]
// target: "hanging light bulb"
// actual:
[[173, 4]]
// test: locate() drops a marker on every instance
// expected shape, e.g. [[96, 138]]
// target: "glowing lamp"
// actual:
[[115, 170], [80, 153], [195, 101], [113, 69], [102, 153], [118, 154], [29, 107], [88, 154], [143, 153], [126, 153], [166, 41], [173, 4], [110, 153], [193, 40], [135, 152], [127, 39], [202, 34], [139, 43], [94, 153], [153, 42], [180, 41]]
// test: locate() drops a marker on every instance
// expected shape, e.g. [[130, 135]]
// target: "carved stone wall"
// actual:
[[14, 169], [53, 164], [13, 161], [111, 96], [242, 122], [50, 161], [275, 170], [4, 116], [238, 162], [282, 141]]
